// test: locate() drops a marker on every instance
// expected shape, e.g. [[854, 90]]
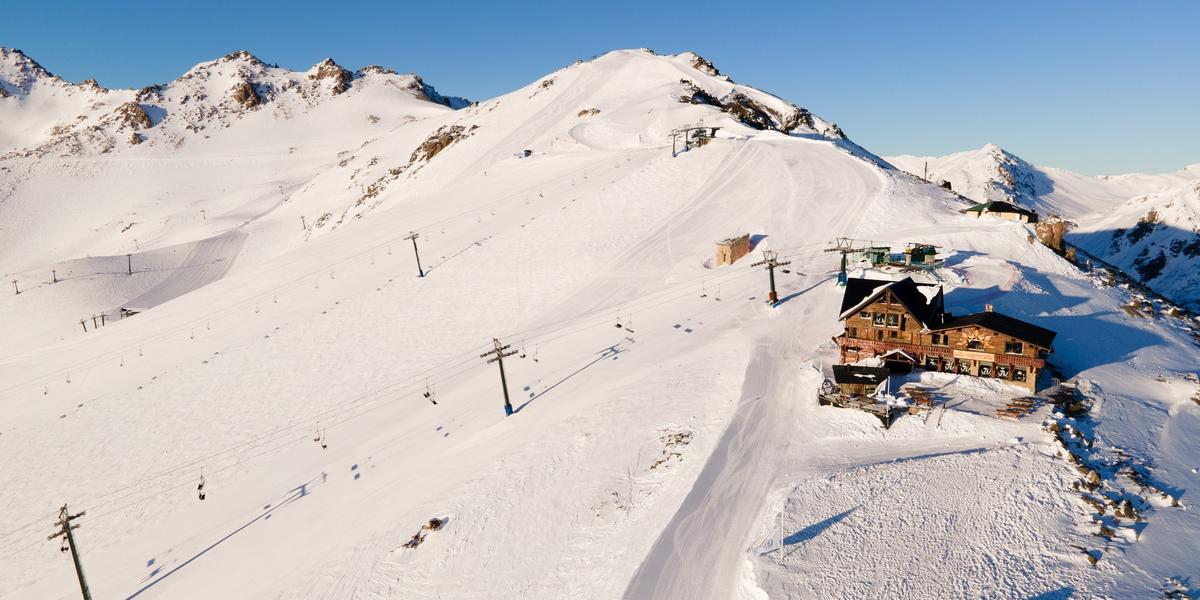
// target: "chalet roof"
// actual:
[[860, 375], [997, 206], [1027, 332], [899, 353], [861, 292]]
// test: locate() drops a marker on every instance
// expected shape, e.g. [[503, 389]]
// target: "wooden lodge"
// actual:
[[729, 250], [883, 317]]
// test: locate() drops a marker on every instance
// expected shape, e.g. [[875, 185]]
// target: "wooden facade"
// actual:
[[966, 345]]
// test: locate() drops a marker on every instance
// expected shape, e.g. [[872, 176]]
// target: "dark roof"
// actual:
[[861, 375], [997, 206], [859, 291], [1005, 324]]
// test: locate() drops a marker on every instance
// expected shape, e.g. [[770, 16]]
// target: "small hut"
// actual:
[[730, 249], [859, 381]]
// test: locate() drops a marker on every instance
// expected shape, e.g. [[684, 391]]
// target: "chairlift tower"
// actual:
[[843, 246], [498, 358], [770, 261]]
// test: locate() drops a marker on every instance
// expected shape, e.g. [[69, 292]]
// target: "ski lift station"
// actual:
[[691, 135], [730, 249]]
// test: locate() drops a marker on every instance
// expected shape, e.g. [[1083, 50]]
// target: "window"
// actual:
[[879, 335], [852, 332], [974, 345], [1002, 371], [893, 334], [985, 370], [1014, 348], [866, 314], [940, 339], [964, 368], [1018, 374], [878, 319], [893, 320]]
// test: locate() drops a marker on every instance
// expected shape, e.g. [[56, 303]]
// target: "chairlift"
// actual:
[[717, 296], [320, 438], [429, 393], [535, 353], [200, 488], [618, 323], [629, 324], [703, 290], [522, 355]]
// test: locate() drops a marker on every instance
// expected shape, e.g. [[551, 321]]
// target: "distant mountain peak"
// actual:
[[20, 72]]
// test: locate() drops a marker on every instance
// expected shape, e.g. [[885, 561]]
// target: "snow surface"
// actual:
[[646, 460]]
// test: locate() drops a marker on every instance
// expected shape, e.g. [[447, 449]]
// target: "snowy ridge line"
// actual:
[[415, 382]]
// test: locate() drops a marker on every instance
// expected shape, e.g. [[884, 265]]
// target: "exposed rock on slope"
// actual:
[[56, 118], [1155, 237]]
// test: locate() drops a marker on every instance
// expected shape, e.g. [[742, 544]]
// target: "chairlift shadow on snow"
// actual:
[[803, 291], [609, 352], [294, 494]]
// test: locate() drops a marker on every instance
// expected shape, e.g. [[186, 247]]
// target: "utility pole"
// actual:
[[770, 260], [499, 352], [15, 288], [84, 323], [412, 235], [53, 276], [65, 527], [128, 264]]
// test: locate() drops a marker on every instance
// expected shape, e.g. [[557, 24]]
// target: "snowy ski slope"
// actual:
[[665, 415]]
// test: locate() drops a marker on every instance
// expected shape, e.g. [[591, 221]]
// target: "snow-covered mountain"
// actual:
[[42, 115], [993, 173], [1154, 237], [287, 360], [1145, 224]]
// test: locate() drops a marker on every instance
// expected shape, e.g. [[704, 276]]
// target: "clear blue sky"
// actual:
[[1097, 87]]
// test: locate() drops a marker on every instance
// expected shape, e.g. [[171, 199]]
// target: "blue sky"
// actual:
[[1097, 87]]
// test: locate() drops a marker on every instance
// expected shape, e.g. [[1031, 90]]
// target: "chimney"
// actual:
[[988, 308]]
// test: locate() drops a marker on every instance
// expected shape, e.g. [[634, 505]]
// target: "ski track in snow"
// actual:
[[665, 417]]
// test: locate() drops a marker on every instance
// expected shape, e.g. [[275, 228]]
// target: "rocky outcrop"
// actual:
[[375, 70], [244, 56], [327, 69], [1050, 232], [441, 139], [245, 95], [703, 65], [755, 114], [131, 115]]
